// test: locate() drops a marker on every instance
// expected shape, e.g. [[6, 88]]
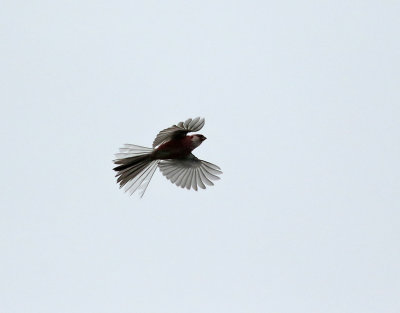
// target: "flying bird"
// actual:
[[172, 154]]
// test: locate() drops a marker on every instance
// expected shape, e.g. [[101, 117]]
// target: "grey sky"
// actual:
[[301, 100]]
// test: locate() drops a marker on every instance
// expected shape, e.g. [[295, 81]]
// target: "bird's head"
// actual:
[[201, 137], [197, 140]]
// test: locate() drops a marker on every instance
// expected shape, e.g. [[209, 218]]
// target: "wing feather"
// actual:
[[204, 178], [198, 180], [190, 173], [181, 129]]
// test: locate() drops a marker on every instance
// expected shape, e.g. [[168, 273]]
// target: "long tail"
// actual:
[[135, 168]]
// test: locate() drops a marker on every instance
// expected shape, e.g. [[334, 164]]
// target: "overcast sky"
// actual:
[[302, 108]]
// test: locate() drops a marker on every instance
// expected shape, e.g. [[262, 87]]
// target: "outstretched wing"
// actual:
[[190, 172], [180, 130]]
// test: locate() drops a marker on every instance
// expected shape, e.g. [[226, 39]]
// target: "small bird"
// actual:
[[172, 153]]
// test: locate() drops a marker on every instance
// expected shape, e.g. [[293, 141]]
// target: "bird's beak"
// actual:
[[204, 138]]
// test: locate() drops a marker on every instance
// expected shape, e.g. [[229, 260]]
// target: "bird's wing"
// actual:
[[190, 172], [190, 125]]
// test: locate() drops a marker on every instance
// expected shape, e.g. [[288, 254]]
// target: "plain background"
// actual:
[[301, 100]]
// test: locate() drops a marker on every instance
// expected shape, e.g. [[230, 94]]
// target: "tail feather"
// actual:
[[131, 172], [134, 172], [129, 162]]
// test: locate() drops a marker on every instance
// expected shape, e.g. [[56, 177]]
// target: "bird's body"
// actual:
[[172, 153], [178, 148]]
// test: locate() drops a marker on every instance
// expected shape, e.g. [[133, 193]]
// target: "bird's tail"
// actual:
[[135, 168]]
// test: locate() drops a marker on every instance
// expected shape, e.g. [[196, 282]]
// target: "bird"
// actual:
[[171, 152]]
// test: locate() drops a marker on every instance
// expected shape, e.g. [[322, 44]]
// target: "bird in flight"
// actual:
[[172, 154]]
